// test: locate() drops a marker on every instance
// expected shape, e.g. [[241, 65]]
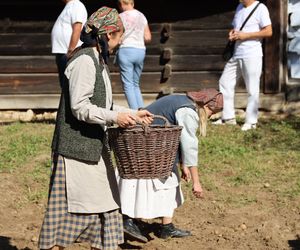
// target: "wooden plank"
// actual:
[[209, 22], [185, 38], [25, 44], [29, 84], [29, 101], [150, 82], [27, 64], [50, 101], [272, 61], [46, 64], [40, 43], [197, 62], [9, 26], [180, 63]]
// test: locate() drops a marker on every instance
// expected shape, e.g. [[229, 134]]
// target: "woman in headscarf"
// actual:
[[158, 198], [83, 202]]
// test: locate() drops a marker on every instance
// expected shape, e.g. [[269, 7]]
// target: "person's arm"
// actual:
[[263, 33], [81, 74], [147, 34], [188, 119], [76, 31], [191, 172]]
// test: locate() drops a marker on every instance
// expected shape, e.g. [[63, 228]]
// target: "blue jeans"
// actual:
[[131, 62]]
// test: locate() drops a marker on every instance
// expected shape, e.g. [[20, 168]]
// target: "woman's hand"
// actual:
[[197, 190], [125, 120], [189, 173], [144, 116]]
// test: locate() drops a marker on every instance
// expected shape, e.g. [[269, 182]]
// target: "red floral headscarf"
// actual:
[[105, 20]]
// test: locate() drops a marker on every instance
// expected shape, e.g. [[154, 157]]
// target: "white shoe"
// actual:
[[223, 122], [218, 122], [248, 126]]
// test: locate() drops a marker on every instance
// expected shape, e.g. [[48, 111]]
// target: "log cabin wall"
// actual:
[[185, 52]]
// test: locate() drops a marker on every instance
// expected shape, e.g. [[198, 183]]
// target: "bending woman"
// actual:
[[154, 198]]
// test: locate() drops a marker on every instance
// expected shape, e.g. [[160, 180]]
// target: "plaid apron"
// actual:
[[60, 228]]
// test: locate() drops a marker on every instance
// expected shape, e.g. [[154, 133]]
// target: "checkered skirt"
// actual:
[[60, 228]]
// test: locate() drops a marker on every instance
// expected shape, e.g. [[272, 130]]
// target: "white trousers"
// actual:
[[250, 69]]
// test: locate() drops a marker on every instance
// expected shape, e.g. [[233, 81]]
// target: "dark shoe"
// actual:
[[132, 231], [169, 231]]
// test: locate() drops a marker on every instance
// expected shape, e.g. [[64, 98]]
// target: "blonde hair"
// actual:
[[127, 2], [203, 117]]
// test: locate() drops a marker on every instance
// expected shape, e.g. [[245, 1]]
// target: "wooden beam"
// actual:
[[51, 101], [200, 41], [150, 82], [46, 64], [273, 50]]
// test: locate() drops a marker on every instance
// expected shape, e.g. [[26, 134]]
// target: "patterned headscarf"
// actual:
[[104, 20], [210, 97]]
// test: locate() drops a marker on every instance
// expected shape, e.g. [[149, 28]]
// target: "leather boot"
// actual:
[[132, 231], [169, 231]]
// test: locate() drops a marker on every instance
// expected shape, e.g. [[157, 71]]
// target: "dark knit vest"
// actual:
[[168, 105], [78, 139]]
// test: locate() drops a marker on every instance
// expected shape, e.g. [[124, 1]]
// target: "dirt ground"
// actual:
[[263, 224]]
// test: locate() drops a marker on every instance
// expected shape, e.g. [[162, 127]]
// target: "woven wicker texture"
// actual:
[[145, 152]]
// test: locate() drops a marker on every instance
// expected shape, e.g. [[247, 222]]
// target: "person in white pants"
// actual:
[[246, 61]]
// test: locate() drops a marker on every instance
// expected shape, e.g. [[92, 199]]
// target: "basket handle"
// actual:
[[167, 123], [146, 127]]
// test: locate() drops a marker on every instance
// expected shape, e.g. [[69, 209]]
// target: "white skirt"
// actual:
[[149, 198]]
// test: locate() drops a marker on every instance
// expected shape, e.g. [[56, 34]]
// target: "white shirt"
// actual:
[[73, 12], [188, 118], [134, 22], [259, 19]]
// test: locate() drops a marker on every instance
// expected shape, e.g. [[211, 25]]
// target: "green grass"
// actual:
[[25, 153], [234, 165], [20, 142], [234, 160]]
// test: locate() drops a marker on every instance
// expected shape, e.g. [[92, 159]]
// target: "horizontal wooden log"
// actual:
[[217, 21], [9, 26], [197, 63], [27, 64], [150, 82], [25, 44], [273, 103], [29, 84], [46, 64], [189, 42], [207, 22]]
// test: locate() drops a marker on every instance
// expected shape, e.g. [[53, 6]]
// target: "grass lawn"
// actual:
[[251, 183], [267, 157]]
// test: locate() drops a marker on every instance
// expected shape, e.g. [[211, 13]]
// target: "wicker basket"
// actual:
[[145, 152]]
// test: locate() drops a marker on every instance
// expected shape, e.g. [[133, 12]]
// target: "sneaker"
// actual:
[[227, 122], [248, 126], [132, 231], [170, 231]]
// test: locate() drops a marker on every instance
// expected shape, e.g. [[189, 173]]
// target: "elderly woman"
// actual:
[[153, 198], [83, 202]]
